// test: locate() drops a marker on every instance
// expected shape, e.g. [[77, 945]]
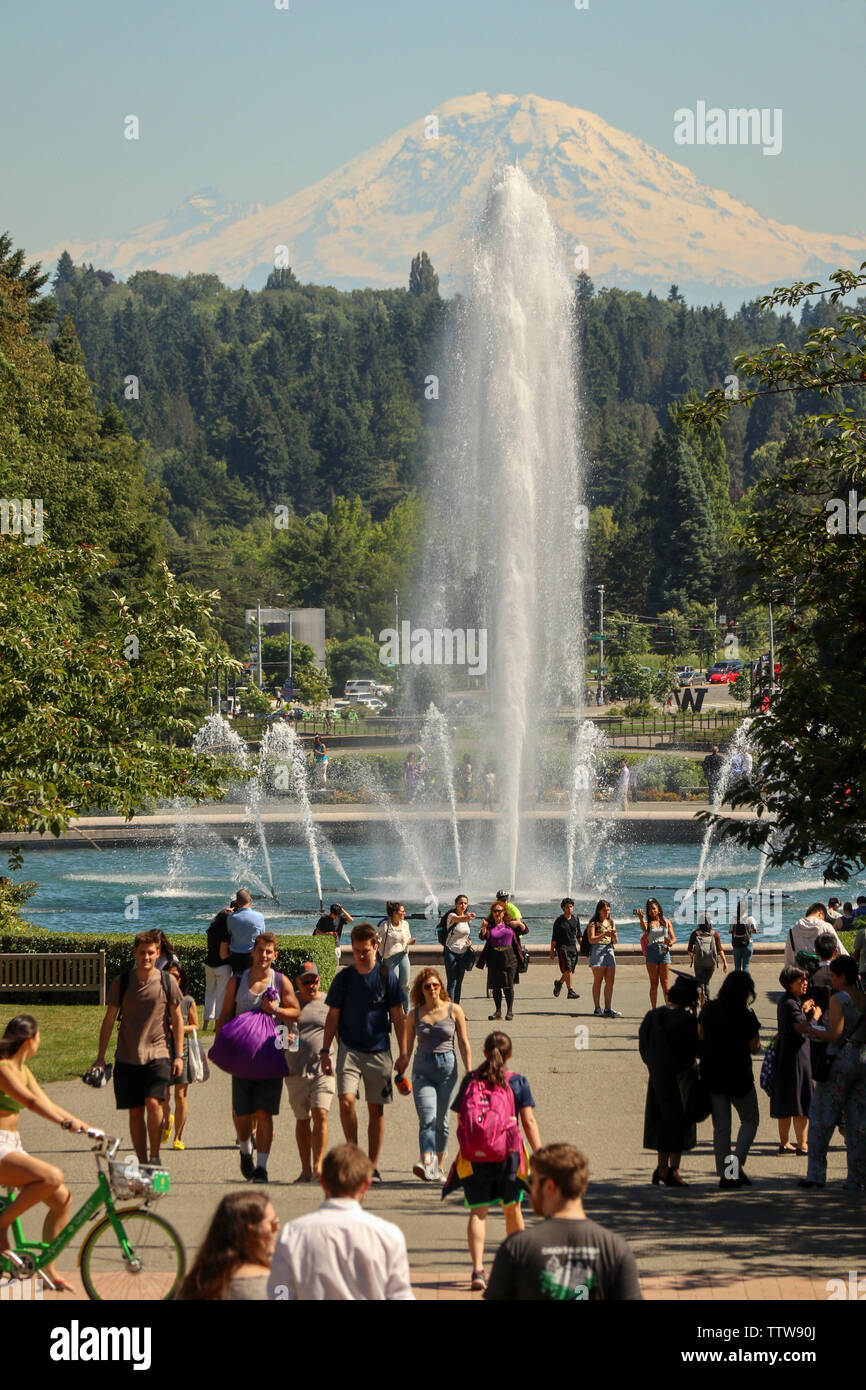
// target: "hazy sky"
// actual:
[[260, 102]]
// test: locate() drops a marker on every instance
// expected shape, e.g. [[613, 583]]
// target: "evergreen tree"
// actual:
[[422, 277]]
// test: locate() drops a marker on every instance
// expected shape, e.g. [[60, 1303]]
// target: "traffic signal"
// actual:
[[670, 632]]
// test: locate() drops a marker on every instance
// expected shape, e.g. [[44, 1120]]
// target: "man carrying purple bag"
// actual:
[[256, 1097]]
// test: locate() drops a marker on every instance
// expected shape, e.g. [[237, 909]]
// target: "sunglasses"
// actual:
[[432, 984]]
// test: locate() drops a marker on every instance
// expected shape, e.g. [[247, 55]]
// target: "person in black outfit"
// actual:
[[713, 765], [217, 969], [792, 1074], [565, 945], [332, 924], [668, 1043], [730, 1033]]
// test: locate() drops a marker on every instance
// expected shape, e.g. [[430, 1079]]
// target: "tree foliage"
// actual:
[[811, 793]]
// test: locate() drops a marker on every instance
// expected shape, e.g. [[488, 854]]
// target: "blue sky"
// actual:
[[260, 102]]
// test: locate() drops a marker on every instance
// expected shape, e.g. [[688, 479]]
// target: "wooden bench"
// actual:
[[79, 972]]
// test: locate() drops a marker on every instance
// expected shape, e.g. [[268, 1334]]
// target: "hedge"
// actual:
[[189, 949]]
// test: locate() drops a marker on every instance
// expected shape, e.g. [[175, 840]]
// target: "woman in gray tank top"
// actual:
[[436, 1025]]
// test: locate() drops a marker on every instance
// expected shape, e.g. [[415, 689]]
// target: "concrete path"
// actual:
[[771, 1241]]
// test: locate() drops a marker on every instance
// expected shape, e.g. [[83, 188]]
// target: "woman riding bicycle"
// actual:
[[35, 1180]]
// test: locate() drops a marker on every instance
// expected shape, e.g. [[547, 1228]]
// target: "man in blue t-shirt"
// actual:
[[244, 926], [363, 1002]]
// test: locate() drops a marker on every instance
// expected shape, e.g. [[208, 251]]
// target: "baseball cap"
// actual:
[[309, 971]]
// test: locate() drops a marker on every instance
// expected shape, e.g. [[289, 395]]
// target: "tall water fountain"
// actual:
[[507, 553]]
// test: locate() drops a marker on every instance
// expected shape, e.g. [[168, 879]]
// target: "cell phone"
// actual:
[[635, 912]]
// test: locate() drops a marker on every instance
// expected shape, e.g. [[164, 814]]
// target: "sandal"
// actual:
[[804, 1153], [786, 1149], [673, 1179]]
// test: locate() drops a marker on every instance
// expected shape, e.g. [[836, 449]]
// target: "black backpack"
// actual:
[[442, 927]]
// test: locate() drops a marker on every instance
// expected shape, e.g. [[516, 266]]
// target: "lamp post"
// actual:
[[600, 638]]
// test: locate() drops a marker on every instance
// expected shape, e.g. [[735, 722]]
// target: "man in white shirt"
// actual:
[[801, 937], [341, 1252]]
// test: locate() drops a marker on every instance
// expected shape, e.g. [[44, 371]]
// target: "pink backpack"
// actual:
[[487, 1126]]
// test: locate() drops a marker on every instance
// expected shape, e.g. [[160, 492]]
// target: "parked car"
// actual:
[[359, 687], [687, 674], [724, 672]]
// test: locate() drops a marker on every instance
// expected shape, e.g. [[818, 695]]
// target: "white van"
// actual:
[[356, 688]]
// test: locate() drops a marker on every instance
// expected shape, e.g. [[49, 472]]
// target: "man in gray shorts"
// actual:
[[310, 1093], [363, 1001]]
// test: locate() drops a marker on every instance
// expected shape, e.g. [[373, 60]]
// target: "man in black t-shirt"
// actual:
[[217, 970], [565, 944], [565, 1258], [332, 924]]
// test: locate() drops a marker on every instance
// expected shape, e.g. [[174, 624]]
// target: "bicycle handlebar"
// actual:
[[107, 1143]]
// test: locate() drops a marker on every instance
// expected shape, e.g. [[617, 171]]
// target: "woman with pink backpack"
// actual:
[[492, 1104]]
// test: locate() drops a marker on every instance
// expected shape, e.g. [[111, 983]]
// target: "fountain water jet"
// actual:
[[435, 733], [507, 550]]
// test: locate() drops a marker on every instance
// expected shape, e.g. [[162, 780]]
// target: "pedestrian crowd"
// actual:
[[270, 1030]]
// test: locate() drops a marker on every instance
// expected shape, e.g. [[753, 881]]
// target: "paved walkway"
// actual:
[[773, 1240]]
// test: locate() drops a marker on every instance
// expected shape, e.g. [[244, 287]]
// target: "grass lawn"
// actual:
[[69, 1034]]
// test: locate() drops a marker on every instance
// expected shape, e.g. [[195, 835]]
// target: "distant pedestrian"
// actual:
[[500, 957], [320, 760], [341, 1253], [410, 773], [623, 778], [602, 936], [364, 1002], [244, 925], [174, 1124], [234, 1260], [660, 937], [465, 774], [842, 1091], [705, 953], [439, 1027], [310, 1090], [668, 1043], [714, 766], [491, 1167], [458, 945], [332, 924], [260, 988], [741, 931], [565, 947], [149, 1042], [395, 939], [489, 789], [217, 965], [792, 1073], [166, 955], [730, 1034], [565, 1257]]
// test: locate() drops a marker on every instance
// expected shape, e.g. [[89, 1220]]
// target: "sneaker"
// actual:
[[557, 989], [440, 1170], [479, 1281], [425, 1169], [377, 1177], [496, 1015], [612, 1013], [247, 1166], [598, 1013], [509, 1016], [260, 1175], [572, 994]]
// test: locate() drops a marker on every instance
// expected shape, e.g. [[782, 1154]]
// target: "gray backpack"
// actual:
[[704, 949]]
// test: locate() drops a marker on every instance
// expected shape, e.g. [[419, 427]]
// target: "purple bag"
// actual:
[[250, 1046]]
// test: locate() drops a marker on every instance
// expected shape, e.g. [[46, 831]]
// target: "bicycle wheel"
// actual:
[[157, 1266]]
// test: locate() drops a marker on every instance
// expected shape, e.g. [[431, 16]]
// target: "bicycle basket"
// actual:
[[129, 1180]]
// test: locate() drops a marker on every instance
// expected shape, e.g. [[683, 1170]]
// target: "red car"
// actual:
[[724, 672]]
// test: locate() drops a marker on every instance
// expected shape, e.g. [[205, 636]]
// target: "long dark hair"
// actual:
[[661, 916], [165, 946], [225, 1247], [391, 909], [18, 1030], [737, 992], [602, 902], [497, 1050]]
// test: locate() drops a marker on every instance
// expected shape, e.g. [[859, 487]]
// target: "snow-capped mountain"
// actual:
[[645, 220]]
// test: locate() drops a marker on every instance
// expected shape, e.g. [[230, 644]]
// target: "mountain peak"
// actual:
[[645, 220]]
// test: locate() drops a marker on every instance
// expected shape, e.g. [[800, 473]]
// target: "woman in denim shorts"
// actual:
[[601, 931], [660, 937]]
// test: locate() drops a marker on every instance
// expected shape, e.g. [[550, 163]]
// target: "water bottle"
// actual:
[[294, 1040]]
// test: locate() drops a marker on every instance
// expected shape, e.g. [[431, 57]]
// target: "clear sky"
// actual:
[[260, 102]]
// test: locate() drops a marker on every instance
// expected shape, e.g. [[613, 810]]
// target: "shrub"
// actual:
[[189, 949]]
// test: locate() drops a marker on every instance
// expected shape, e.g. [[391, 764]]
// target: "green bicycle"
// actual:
[[131, 1254]]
